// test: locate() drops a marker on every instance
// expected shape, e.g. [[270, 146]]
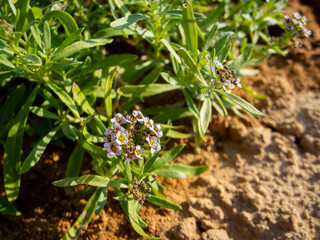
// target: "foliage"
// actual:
[[63, 76]]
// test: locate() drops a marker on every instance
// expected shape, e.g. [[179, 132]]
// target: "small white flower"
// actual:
[[148, 123], [113, 149], [138, 151], [131, 119], [216, 83], [129, 156], [238, 84], [118, 118], [218, 64], [122, 137], [157, 130], [154, 144], [139, 116], [306, 32], [297, 15], [228, 86]]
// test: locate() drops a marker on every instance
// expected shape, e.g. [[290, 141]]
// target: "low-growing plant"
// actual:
[[58, 81]]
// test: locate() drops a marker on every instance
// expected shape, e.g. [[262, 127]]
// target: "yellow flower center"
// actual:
[[138, 152], [113, 149], [151, 141], [121, 138]]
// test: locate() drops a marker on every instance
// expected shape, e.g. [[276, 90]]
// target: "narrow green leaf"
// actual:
[[7, 110], [128, 171], [171, 50], [33, 59], [47, 35], [21, 19], [178, 135], [37, 12], [36, 33], [150, 162], [141, 91], [191, 105], [7, 208], [242, 59], [75, 161], [191, 64], [170, 173], [224, 53], [133, 216], [6, 62], [205, 116], [78, 46], [163, 203], [190, 28], [186, 169], [107, 92], [65, 98], [167, 157], [41, 112], [69, 40], [252, 93], [37, 151], [92, 180], [210, 36], [12, 149], [152, 77], [70, 131], [84, 218], [221, 43], [241, 102], [126, 21], [81, 100], [218, 99], [65, 19], [102, 200]]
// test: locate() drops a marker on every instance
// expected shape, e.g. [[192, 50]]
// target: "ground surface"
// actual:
[[262, 183]]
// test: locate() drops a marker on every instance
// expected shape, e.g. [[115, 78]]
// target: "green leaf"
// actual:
[[126, 21], [128, 171], [252, 93], [167, 157], [41, 112], [163, 203], [174, 134], [242, 59], [190, 29], [21, 19], [81, 100], [146, 90], [220, 44], [37, 151], [210, 36], [6, 62], [150, 162], [70, 131], [78, 46], [185, 169], [101, 201], [218, 99], [84, 218], [37, 12], [152, 77], [7, 208], [224, 53], [36, 33], [65, 98], [75, 161], [70, 39], [205, 116], [7, 110], [33, 59], [171, 173], [191, 64], [12, 149], [65, 19], [47, 35], [107, 92], [134, 220], [241, 102], [171, 50], [191, 105], [92, 180]]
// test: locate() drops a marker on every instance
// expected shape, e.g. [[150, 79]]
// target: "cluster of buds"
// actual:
[[131, 136], [6, 30], [296, 26], [141, 190], [225, 78]]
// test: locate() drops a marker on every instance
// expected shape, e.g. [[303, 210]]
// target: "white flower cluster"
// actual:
[[131, 136], [225, 79], [296, 25]]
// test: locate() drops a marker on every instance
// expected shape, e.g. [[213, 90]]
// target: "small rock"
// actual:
[[187, 230], [215, 234]]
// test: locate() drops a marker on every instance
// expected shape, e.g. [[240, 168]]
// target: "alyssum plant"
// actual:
[[129, 164]]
